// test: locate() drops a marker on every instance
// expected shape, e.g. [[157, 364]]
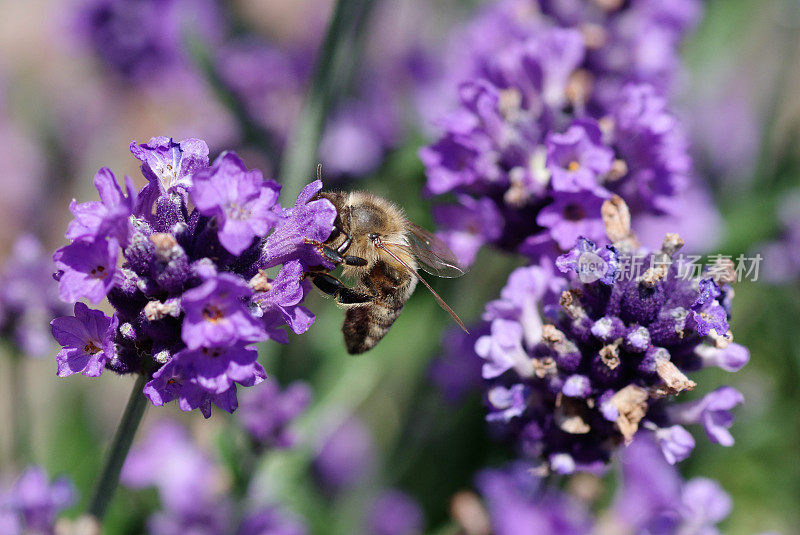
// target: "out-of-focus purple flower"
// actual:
[[731, 358], [87, 341], [268, 411], [345, 457], [241, 201], [518, 504], [572, 216], [654, 499], [192, 490], [781, 257], [713, 411], [269, 81], [168, 459], [33, 503], [468, 225], [457, 372], [676, 443], [577, 159], [271, 521], [563, 99], [395, 513], [191, 292], [187, 479], [28, 298], [146, 39], [604, 362]]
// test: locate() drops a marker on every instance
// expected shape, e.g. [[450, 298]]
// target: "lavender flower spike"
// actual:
[[605, 361], [185, 280]]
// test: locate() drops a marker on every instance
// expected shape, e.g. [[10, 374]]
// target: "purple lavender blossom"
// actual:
[[109, 217], [395, 513], [217, 314], [28, 298], [86, 340], [191, 293], [554, 106], [345, 457], [241, 201], [309, 221], [33, 503], [577, 158], [168, 166], [587, 376], [268, 411], [87, 269]]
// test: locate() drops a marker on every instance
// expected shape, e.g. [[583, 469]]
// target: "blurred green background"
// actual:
[[426, 446]]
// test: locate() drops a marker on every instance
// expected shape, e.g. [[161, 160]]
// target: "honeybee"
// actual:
[[381, 250]]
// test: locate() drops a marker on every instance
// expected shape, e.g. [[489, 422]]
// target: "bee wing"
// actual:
[[434, 256], [388, 248]]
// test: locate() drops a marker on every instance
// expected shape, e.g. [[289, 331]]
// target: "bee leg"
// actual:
[[337, 258], [336, 288], [331, 254], [345, 245], [354, 260]]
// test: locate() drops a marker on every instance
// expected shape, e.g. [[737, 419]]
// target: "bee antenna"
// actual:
[[319, 171]]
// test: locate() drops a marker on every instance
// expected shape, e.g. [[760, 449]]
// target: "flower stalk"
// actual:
[[109, 476]]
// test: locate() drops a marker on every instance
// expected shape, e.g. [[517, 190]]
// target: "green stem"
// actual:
[[20, 417], [300, 157], [109, 476]]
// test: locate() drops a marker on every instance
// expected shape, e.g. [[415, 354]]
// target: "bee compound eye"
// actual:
[[373, 236]]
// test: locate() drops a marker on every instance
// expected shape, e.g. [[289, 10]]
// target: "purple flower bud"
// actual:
[[33, 503], [267, 412], [345, 457]]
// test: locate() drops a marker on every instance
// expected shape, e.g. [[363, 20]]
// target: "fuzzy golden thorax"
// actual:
[[365, 216]]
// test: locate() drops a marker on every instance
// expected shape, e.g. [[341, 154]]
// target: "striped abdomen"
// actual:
[[365, 325]]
